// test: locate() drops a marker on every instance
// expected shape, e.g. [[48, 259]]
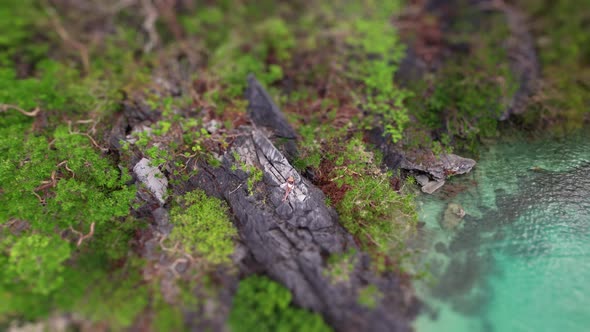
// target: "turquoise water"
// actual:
[[519, 260]]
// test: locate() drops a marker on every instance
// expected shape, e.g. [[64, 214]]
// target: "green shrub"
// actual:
[[233, 65], [20, 20], [36, 261], [201, 224], [263, 305], [54, 183], [371, 210], [377, 53], [369, 296], [117, 300], [564, 49], [377, 215], [465, 99]]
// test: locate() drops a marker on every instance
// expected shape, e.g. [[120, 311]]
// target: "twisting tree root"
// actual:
[[6, 107], [81, 235]]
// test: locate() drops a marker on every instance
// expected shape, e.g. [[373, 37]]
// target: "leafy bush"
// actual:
[[116, 299], [36, 261], [378, 52], [263, 305], [377, 215], [465, 99], [19, 20], [232, 64], [201, 223], [564, 50], [369, 296], [371, 210], [51, 184]]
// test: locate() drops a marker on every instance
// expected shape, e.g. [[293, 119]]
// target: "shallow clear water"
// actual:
[[520, 258]]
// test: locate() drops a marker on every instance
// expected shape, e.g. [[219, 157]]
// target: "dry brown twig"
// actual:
[[6, 107], [92, 140], [172, 250], [9, 223], [188, 259], [65, 165], [41, 200], [172, 266], [166, 8], [47, 184], [81, 235], [149, 24], [66, 38]]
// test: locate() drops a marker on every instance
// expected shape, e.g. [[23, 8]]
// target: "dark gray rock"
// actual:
[[152, 178], [291, 239], [422, 179], [133, 116], [265, 114], [432, 186], [430, 170], [524, 62], [439, 168]]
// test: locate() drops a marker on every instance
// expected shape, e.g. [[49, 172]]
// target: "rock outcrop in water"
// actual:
[[431, 170]]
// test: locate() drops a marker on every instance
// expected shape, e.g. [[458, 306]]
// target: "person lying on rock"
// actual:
[[288, 186]]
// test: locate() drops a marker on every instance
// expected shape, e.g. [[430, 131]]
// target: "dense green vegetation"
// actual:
[[370, 208], [201, 224], [69, 240], [375, 37], [261, 304], [464, 100], [564, 50], [55, 188]]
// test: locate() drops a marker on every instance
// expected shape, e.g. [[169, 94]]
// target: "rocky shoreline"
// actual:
[[177, 186], [290, 236]]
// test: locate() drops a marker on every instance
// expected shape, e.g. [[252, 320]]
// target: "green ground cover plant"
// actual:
[[201, 224], [69, 70], [261, 304], [378, 216]]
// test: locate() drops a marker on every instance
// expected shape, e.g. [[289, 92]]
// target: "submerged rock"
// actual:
[[432, 186], [452, 216], [291, 234]]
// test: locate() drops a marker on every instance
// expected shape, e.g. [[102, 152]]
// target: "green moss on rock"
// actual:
[[201, 224]]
